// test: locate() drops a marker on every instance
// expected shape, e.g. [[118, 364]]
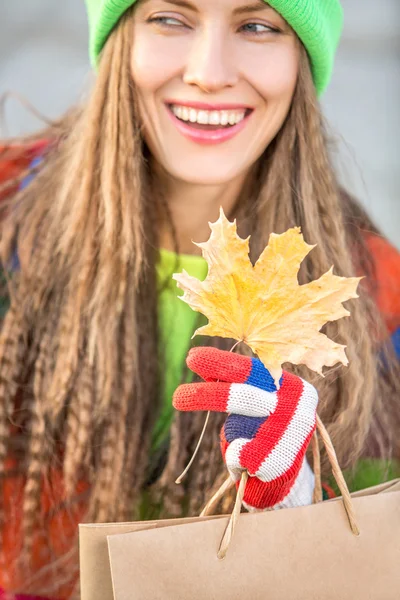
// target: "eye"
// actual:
[[170, 22], [258, 29]]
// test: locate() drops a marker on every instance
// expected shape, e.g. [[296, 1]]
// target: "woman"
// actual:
[[196, 105]]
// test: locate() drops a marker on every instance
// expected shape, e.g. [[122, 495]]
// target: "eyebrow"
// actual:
[[246, 8], [254, 7]]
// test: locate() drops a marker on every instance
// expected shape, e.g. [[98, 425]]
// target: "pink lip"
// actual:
[[202, 136]]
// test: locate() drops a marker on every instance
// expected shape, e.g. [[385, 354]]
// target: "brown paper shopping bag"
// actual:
[[306, 553], [96, 580], [343, 549]]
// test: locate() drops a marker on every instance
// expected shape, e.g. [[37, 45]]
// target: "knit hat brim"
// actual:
[[318, 23]]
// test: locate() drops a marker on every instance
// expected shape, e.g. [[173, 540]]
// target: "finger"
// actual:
[[237, 426], [232, 458], [259, 495], [223, 442], [283, 439], [284, 492], [220, 396], [213, 364]]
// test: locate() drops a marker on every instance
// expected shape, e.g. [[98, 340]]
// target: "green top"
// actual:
[[177, 322]]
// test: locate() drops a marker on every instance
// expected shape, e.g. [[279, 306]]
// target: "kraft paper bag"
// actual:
[[307, 553]]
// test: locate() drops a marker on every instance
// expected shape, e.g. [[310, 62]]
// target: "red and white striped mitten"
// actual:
[[267, 431]]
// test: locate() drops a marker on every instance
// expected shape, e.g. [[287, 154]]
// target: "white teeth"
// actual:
[[214, 118], [207, 117], [224, 118], [232, 118], [202, 117]]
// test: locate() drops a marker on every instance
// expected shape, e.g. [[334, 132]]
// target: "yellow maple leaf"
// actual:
[[264, 305]]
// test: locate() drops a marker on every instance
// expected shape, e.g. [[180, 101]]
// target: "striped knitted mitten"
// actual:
[[267, 431]]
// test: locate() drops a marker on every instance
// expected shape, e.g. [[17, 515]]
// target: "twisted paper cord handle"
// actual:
[[317, 496], [338, 475]]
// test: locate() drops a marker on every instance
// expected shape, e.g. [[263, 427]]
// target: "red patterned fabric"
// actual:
[[386, 289], [6, 596], [59, 531], [14, 159]]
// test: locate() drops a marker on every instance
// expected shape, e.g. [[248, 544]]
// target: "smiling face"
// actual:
[[215, 81]]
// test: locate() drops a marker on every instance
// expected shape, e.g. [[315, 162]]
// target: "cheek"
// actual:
[[152, 64], [275, 75]]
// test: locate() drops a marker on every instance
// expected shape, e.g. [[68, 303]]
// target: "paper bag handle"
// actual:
[[317, 497]]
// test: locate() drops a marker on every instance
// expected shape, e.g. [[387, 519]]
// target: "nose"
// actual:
[[210, 64]]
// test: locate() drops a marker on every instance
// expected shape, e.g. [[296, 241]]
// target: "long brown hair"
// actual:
[[81, 335]]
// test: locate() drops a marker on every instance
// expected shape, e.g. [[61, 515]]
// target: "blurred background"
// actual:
[[43, 56]]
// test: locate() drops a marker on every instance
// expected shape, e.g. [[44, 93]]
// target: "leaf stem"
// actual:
[[182, 475]]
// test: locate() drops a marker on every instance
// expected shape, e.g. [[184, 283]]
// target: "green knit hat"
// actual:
[[318, 23]]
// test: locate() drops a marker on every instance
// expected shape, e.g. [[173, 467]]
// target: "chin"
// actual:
[[201, 175]]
